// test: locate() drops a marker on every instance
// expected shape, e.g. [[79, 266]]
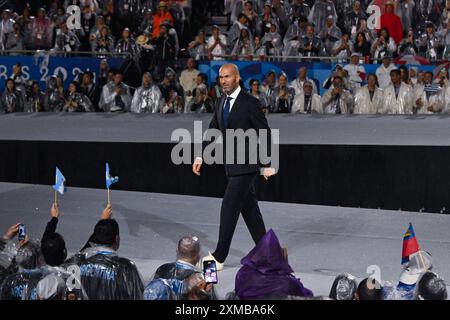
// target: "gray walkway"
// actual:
[[321, 241]]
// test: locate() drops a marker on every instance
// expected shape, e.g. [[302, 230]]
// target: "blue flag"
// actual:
[[60, 181], [110, 180]]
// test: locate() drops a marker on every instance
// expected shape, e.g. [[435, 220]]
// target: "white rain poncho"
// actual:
[[111, 102], [320, 11], [364, 104], [402, 104], [147, 100], [429, 98], [337, 104], [313, 105]]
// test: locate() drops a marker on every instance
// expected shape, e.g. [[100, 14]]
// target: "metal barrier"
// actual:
[[123, 55]]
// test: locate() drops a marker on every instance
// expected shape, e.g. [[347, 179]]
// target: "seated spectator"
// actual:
[[269, 83], [173, 103], [188, 79], [104, 274], [161, 16], [95, 31], [307, 101], [430, 43], [383, 46], [11, 100], [297, 84], [148, 97], [35, 101], [261, 96], [344, 287], [343, 48], [282, 96], [171, 280], [429, 97], [293, 36], [352, 18], [369, 34], [116, 95], [265, 273], [217, 44], [259, 50], [201, 102], [369, 289], [170, 82], [369, 99], [77, 101], [398, 97], [431, 287], [408, 45], [267, 19], [336, 99], [22, 285], [362, 46]]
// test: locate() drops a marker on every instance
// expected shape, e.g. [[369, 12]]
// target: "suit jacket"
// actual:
[[246, 114]]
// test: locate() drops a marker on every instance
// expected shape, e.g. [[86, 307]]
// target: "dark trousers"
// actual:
[[240, 196]]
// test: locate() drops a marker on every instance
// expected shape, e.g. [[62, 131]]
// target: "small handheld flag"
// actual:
[[110, 180], [410, 244], [59, 183]]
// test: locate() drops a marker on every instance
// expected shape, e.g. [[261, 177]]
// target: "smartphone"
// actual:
[[22, 233], [210, 271]]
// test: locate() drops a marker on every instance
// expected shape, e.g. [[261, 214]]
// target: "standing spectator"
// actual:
[[170, 83], [36, 99], [235, 31], [41, 32], [54, 97], [293, 37], [116, 95], [198, 48], [356, 72], [147, 22], [408, 45], [90, 89], [6, 27], [369, 99], [311, 45], [429, 97], [362, 46], [127, 13], [320, 11], [11, 100], [272, 41], [165, 51], [337, 100], [261, 96], [104, 42], [87, 23], [15, 40], [103, 73], [405, 10], [66, 40], [266, 20], [398, 97], [329, 35], [126, 44], [343, 48], [383, 46], [282, 96], [383, 72], [307, 101], [188, 79], [299, 9], [298, 83], [104, 274], [392, 22], [281, 9], [217, 44], [147, 98], [352, 18], [430, 43], [269, 83], [161, 16]]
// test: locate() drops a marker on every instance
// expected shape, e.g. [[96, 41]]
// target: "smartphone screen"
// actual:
[[210, 271], [21, 235]]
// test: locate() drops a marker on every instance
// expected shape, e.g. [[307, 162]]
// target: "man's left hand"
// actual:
[[268, 172]]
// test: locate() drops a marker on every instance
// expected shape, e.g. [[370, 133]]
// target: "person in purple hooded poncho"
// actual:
[[266, 274]]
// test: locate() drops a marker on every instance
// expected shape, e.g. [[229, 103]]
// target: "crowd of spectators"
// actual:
[[163, 41], [32, 269]]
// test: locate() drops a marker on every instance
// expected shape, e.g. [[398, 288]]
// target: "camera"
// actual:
[[210, 271]]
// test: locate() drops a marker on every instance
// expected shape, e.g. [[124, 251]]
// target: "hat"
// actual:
[[355, 54], [215, 27], [389, 3], [419, 262], [162, 4]]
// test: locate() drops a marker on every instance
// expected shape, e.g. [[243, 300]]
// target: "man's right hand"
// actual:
[[11, 232], [196, 166], [54, 211]]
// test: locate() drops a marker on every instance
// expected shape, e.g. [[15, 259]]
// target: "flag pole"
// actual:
[[109, 196], [421, 259], [56, 197]]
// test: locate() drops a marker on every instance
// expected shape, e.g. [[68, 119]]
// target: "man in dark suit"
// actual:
[[237, 110]]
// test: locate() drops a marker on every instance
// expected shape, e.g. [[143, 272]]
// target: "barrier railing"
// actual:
[[68, 54]]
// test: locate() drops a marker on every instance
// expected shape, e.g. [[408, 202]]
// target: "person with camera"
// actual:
[[172, 281], [116, 95], [337, 100], [282, 96]]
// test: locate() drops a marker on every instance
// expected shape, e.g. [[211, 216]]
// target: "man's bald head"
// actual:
[[229, 78]]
